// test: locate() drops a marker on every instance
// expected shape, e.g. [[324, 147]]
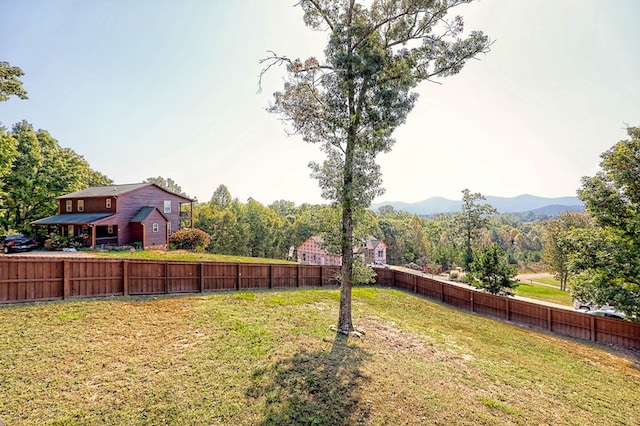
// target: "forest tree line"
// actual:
[[594, 254], [35, 169]]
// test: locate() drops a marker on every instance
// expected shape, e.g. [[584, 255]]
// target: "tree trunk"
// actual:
[[345, 323]]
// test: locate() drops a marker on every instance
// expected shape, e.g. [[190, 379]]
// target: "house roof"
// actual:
[[114, 190], [72, 219], [144, 213]]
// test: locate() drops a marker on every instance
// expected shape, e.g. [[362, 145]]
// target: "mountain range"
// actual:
[[525, 203]]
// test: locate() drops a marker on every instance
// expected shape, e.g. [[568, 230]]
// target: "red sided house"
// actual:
[[141, 213], [311, 252], [374, 250]]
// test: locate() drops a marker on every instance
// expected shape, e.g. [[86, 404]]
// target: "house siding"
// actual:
[[125, 206], [312, 253], [152, 239], [91, 205]]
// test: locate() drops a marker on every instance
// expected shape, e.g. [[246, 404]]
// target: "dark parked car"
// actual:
[[13, 243]]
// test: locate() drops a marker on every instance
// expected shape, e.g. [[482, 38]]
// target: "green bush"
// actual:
[[190, 239]]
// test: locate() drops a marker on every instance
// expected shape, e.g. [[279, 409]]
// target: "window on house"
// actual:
[[80, 205], [70, 230], [156, 227], [108, 203], [168, 227], [109, 229], [69, 205], [380, 254], [167, 206]]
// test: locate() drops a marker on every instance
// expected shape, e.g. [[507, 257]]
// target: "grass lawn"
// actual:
[[269, 358], [543, 292], [183, 255], [549, 281]]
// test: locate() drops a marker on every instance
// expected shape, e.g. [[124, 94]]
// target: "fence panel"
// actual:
[[457, 296], [220, 276], [528, 313], [22, 280], [571, 323], [284, 276], [616, 332], [183, 277], [254, 276], [404, 281], [310, 276], [147, 277], [429, 287], [384, 277], [96, 277], [489, 304], [330, 275]]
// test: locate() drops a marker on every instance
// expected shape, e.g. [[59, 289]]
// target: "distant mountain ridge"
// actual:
[[520, 204]]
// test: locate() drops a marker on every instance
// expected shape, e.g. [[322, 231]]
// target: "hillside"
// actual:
[[519, 204]]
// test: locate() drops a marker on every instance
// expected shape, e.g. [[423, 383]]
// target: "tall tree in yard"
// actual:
[[607, 255], [351, 101]]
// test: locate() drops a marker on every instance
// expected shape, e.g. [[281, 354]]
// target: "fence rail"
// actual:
[[30, 279]]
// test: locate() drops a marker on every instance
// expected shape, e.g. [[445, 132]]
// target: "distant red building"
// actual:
[[140, 213]]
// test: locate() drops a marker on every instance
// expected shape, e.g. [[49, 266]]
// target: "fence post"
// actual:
[[592, 327], [549, 319], [298, 276], [321, 275], [441, 291], [239, 276], [507, 309], [201, 269], [67, 291], [270, 275], [473, 306], [125, 277], [415, 283], [166, 277]]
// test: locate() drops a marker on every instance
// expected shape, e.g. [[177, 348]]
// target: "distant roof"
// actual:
[[373, 243], [72, 219], [144, 212], [114, 190]]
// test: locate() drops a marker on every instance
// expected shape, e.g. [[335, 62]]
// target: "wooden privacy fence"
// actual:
[[31, 279]]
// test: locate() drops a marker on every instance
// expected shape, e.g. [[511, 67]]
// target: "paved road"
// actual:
[[532, 277], [49, 253]]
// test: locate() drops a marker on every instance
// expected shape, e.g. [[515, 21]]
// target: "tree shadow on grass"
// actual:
[[313, 388]]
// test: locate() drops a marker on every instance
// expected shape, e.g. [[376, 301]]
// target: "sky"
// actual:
[[151, 88]]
